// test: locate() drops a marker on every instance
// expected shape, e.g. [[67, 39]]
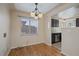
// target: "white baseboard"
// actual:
[[27, 45], [65, 54], [48, 44], [7, 52]]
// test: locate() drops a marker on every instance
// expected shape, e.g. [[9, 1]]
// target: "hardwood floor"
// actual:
[[35, 50]]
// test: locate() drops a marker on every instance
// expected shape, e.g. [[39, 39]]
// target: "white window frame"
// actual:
[[24, 34]]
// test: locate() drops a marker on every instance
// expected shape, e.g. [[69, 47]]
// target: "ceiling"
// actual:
[[28, 7]]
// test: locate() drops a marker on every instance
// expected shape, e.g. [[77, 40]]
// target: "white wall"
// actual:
[[4, 28], [17, 40], [47, 23], [70, 41]]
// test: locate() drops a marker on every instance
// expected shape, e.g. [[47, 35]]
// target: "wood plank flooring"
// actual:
[[35, 50]]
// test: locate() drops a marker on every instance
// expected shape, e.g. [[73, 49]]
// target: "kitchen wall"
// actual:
[[70, 41], [18, 40], [4, 28]]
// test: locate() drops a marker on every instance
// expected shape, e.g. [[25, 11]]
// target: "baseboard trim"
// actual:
[[26, 45], [64, 54], [7, 52]]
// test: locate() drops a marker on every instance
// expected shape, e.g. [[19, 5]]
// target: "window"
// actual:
[[29, 25]]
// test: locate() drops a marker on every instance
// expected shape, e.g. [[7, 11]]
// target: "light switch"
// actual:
[[4, 35]]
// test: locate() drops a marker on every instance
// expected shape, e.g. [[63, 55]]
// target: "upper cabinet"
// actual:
[[77, 22], [54, 23]]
